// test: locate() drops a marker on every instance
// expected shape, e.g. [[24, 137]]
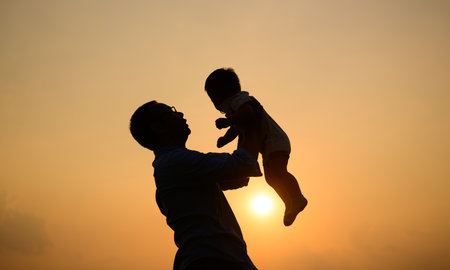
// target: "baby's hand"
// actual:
[[221, 142], [222, 123]]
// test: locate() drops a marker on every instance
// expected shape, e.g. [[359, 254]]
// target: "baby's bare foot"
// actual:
[[292, 210]]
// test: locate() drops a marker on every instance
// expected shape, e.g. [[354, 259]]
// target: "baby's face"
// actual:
[[217, 102]]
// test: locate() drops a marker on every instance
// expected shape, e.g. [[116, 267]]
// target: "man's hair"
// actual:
[[222, 82], [140, 126]]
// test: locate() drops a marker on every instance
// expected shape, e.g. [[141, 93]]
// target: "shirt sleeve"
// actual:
[[238, 100], [228, 170], [231, 105]]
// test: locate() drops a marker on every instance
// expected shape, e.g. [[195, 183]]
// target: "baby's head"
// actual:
[[221, 84]]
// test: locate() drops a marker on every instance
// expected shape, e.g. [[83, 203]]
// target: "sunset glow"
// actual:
[[262, 204], [360, 87]]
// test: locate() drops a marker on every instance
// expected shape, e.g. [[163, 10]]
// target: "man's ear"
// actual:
[[158, 128]]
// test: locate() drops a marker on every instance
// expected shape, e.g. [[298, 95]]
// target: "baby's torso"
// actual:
[[275, 138]]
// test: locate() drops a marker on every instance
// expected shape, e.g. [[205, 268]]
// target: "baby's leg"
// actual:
[[285, 184]]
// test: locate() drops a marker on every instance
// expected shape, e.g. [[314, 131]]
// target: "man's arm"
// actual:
[[251, 142], [187, 167], [252, 139]]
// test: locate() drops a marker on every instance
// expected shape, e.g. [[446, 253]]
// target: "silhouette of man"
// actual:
[[189, 188]]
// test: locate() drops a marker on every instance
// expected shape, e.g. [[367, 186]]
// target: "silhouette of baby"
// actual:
[[244, 111]]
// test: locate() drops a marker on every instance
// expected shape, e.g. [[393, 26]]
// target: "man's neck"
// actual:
[[170, 144]]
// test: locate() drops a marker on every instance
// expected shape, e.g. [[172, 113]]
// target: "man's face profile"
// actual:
[[170, 122]]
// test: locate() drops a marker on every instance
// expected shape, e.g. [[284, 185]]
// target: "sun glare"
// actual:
[[262, 204]]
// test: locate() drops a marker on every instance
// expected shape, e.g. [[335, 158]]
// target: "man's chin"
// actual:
[[188, 131]]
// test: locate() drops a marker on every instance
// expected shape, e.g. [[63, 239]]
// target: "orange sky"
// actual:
[[361, 88]]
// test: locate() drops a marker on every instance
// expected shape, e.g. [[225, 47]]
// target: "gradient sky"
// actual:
[[361, 87]]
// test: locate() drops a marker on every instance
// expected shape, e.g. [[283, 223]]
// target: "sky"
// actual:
[[362, 88]]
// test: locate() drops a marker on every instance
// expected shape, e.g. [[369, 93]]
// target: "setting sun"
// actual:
[[262, 204]]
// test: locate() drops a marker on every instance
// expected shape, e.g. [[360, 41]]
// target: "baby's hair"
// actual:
[[222, 82]]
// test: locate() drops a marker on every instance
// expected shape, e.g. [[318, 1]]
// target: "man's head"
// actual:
[[221, 84], [155, 125]]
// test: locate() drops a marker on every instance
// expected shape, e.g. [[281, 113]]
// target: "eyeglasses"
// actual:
[[160, 111], [164, 111]]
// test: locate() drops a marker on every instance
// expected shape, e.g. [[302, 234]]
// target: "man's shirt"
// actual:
[[188, 193]]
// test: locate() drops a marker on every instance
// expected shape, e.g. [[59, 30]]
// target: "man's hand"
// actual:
[[222, 123], [251, 137]]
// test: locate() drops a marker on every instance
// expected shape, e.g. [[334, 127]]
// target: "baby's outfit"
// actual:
[[275, 139]]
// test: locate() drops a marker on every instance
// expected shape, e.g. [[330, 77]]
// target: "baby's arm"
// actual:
[[222, 123], [229, 136]]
